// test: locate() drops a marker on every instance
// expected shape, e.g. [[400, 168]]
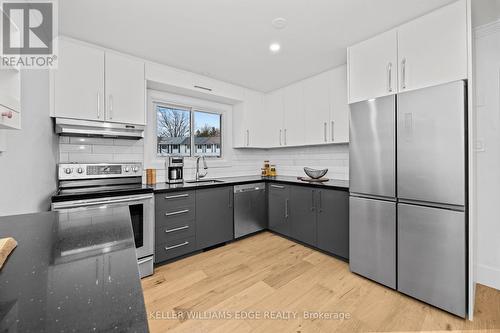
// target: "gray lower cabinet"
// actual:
[[303, 214], [320, 218], [214, 216], [333, 222], [278, 208], [175, 224]]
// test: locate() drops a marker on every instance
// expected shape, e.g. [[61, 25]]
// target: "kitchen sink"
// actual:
[[204, 181]]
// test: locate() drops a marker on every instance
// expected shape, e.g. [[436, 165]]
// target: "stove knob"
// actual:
[[135, 169], [68, 171], [127, 169], [79, 170]]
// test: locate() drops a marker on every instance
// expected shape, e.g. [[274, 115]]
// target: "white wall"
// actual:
[[487, 76], [237, 162], [485, 11], [28, 167]]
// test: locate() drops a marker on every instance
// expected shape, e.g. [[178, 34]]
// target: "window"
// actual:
[[179, 129]]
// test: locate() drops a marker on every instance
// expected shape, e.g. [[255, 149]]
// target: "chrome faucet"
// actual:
[[198, 176]]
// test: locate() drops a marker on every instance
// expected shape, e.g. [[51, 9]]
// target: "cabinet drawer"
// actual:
[[174, 230], [172, 201], [173, 216], [174, 248]]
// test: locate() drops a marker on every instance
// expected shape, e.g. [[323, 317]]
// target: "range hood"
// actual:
[[75, 127]]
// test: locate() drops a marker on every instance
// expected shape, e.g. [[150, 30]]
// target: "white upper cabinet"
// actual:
[[293, 115], [92, 84], [191, 84], [373, 67], [246, 125], [78, 82], [125, 89], [433, 48], [427, 51], [317, 96], [239, 128], [271, 129], [339, 114]]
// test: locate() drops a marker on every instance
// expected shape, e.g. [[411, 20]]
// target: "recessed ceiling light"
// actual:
[[279, 23], [274, 47]]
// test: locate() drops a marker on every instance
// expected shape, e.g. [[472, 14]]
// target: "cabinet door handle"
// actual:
[[403, 73], [248, 138], [177, 196], [280, 137], [176, 229], [203, 88], [278, 186], [98, 105], [176, 246], [312, 200], [230, 202], [177, 212], [286, 208], [389, 77], [324, 131], [285, 136], [320, 203], [110, 98], [332, 125]]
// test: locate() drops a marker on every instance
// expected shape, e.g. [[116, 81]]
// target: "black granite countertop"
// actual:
[[225, 181], [71, 272]]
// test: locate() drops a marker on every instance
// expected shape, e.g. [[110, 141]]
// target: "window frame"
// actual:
[[191, 110]]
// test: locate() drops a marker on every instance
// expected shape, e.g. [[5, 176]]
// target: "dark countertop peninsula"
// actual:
[[71, 272], [229, 181]]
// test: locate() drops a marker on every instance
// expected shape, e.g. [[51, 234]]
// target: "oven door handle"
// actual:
[[63, 205]]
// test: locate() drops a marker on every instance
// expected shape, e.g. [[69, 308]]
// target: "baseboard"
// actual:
[[488, 276]]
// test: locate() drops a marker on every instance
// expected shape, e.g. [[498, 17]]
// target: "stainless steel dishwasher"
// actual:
[[249, 209]]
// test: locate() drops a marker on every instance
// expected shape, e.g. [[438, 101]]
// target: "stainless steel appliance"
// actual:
[[249, 209], [175, 169], [65, 126], [111, 185], [408, 193]]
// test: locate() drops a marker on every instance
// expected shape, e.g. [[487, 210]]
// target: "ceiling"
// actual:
[[229, 39]]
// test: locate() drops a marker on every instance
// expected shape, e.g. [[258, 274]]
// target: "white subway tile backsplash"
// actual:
[[94, 150], [289, 161]]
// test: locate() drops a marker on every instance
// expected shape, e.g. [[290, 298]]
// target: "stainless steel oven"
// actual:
[[110, 193]]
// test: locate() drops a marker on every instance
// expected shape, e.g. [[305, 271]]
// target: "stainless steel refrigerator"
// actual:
[[408, 193]]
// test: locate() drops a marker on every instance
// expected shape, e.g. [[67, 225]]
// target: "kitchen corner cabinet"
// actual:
[[247, 117], [214, 216], [279, 209], [92, 84], [427, 51]]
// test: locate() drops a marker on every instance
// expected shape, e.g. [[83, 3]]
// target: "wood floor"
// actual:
[[266, 283]]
